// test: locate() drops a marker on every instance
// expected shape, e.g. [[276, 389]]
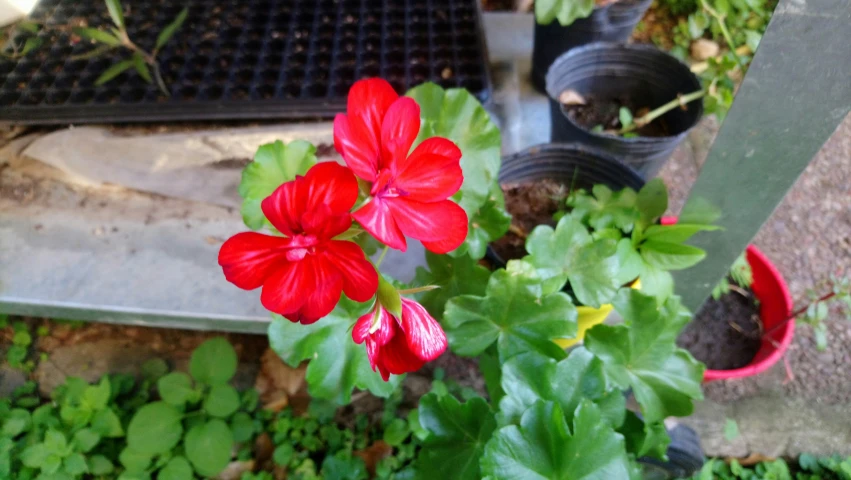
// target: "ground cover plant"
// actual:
[[424, 166]]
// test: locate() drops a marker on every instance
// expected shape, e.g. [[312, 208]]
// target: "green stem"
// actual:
[[659, 111], [381, 258], [724, 32], [411, 291]]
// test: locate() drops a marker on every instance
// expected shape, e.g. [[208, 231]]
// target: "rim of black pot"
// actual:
[[545, 159], [673, 61]]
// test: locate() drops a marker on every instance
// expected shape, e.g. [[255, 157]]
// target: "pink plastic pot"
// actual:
[[775, 306]]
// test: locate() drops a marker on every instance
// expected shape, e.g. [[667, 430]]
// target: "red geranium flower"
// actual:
[[409, 192], [399, 345], [303, 273]]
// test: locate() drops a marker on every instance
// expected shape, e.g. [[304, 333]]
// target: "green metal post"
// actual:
[[796, 92]]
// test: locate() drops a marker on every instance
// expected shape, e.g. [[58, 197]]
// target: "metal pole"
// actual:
[[795, 94]]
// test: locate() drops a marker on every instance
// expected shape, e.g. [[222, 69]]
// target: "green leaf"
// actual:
[[97, 396], [113, 71], [514, 313], [134, 461], [169, 30], [141, 67], [492, 374], [75, 464], [698, 210], [208, 447], [343, 466], [396, 432], [106, 424], [213, 362], [603, 208], [677, 233], [568, 253], [86, 439], [17, 421], [457, 436], [154, 369], [178, 468], [155, 428], [625, 117], [100, 465], [731, 430], [116, 12], [27, 26], [35, 455], [222, 401], [643, 439], [176, 389], [97, 35], [543, 447], [242, 427], [528, 377], [642, 354], [454, 275], [630, 263], [31, 44], [656, 282], [283, 454], [566, 11], [274, 164], [337, 364], [652, 201], [670, 256], [457, 115]]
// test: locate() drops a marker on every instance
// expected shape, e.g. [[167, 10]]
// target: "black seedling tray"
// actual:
[[241, 59]]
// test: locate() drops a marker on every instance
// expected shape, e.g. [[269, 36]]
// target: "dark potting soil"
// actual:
[[606, 114], [530, 204], [725, 333]]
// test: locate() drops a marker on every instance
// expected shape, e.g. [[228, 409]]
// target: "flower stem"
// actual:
[[381, 257], [411, 291], [797, 312], [724, 31], [680, 101]]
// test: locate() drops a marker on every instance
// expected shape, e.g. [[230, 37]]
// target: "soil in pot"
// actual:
[[725, 334], [530, 204], [605, 113]]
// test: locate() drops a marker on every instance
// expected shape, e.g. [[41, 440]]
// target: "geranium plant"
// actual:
[[424, 167]]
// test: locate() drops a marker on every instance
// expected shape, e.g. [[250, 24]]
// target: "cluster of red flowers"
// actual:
[[304, 271]]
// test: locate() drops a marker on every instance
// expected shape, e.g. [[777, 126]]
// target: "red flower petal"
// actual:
[[360, 280], [286, 290], [327, 290], [358, 146], [376, 218], [249, 258], [324, 224], [331, 184], [396, 358], [369, 99], [284, 207], [432, 172], [399, 130], [423, 334], [441, 226], [357, 135]]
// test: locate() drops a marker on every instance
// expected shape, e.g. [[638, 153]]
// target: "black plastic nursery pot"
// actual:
[[611, 23], [573, 165], [612, 72]]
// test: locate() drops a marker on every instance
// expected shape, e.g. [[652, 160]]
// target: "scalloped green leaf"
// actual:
[[542, 447], [601, 208], [337, 364], [274, 164], [529, 377], [454, 275], [457, 115], [642, 354], [457, 435], [214, 362], [565, 11], [569, 254], [514, 312], [155, 429], [208, 446]]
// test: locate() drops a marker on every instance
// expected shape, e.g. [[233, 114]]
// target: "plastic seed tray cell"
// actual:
[[239, 59]]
